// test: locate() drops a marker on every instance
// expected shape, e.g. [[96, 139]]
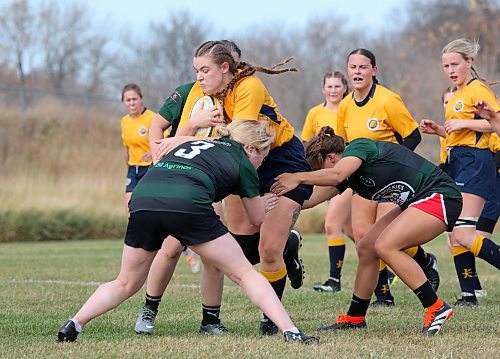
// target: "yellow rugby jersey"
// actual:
[[135, 136], [460, 107], [443, 152], [377, 117], [318, 117], [194, 95], [250, 100], [494, 144]]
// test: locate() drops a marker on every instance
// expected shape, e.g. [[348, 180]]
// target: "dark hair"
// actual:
[[131, 87], [366, 53], [337, 75], [220, 53], [321, 145], [232, 46]]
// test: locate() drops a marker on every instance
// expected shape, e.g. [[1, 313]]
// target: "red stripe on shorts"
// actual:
[[434, 205]]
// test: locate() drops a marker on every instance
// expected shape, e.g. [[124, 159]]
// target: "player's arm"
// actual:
[[430, 127], [474, 125], [202, 118], [325, 177], [257, 207], [320, 195], [486, 111], [156, 130], [165, 145]]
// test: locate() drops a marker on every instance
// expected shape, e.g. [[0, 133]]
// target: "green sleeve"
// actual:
[[362, 148], [249, 180], [172, 107]]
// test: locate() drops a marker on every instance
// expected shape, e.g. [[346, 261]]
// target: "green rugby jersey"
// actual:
[[194, 175], [173, 106], [392, 173]]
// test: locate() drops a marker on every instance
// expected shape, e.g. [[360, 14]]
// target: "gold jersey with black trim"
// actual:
[[318, 117], [460, 108], [379, 117], [135, 136], [194, 175]]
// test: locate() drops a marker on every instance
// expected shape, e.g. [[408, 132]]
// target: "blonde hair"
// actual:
[[468, 50], [249, 132]]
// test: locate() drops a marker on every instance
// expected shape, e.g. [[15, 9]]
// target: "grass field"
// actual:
[[43, 284]]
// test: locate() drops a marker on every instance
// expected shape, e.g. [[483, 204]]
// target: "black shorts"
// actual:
[[148, 229]]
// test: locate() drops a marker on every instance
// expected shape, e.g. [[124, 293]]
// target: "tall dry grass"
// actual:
[[61, 158]]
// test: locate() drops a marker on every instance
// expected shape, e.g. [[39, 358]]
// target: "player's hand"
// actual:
[[270, 201], [166, 145], [147, 157], [429, 126], [484, 110], [453, 125], [209, 117], [284, 183]]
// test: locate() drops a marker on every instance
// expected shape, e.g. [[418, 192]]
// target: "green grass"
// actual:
[[44, 284]]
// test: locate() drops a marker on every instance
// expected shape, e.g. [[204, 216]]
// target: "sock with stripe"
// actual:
[[464, 263], [210, 314], [488, 250], [152, 302], [336, 252]]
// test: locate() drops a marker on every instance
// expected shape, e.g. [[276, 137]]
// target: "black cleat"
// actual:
[[293, 263], [330, 286], [299, 337], [267, 327], [67, 332], [213, 329], [383, 302], [345, 322], [467, 301], [431, 271]]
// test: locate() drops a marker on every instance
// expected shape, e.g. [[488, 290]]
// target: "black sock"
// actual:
[[210, 314], [336, 254], [153, 302], [358, 307], [382, 290], [464, 263], [426, 294], [490, 252], [421, 257]]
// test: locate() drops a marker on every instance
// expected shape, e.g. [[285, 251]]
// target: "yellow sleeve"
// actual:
[[399, 117], [309, 125], [249, 97], [340, 130]]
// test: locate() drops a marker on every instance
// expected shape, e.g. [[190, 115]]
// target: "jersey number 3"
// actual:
[[196, 148]]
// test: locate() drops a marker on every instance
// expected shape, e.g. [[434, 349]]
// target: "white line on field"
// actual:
[[81, 283]]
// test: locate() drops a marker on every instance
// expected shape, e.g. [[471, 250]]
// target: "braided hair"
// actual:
[[220, 53], [324, 143]]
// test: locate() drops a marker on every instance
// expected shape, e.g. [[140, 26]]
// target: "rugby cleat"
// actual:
[[67, 332], [267, 327], [213, 329], [435, 318], [291, 337], [146, 321], [293, 263], [467, 301], [330, 286], [345, 322], [431, 271], [383, 302]]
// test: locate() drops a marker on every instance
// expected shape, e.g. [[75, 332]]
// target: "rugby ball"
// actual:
[[203, 103]]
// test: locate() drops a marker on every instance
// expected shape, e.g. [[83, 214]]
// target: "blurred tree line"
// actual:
[[59, 45]]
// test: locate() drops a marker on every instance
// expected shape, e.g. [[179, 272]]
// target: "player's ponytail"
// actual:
[[321, 145]]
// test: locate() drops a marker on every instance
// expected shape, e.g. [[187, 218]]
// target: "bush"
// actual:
[[38, 225]]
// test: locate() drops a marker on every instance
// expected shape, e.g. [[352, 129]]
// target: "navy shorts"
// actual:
[[491, 208], [473, 170], [148, 229], [287, 158], [134, 174]]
